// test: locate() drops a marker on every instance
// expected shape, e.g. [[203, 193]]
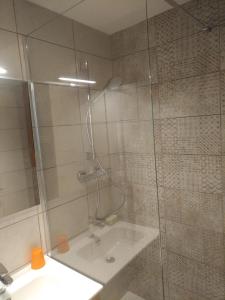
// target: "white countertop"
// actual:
[[53, 281]]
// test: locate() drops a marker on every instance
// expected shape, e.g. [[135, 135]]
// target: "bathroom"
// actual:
[[112, 149]]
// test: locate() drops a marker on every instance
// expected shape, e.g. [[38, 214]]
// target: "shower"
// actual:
[[98, 171]]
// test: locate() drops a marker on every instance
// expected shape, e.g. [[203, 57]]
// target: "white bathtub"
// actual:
[[119, 243]]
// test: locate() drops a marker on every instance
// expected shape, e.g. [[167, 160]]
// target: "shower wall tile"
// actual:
[[91, 41], [98, 106], [57, 105], [187, 97], [175, 24], [140, 169], [122, 104], [9, 54], [193, 135], [201, 245], [48, 62], [190, 56], [100, 69], [115, 134], [222, 91], [222, 47], [138, 137], [57, 30], [7, 17], [133, 68], [144, 103], [130, 40], [177, 293], [68, 219], [142, 205], [199, 210], [190, 172], [196, 277]]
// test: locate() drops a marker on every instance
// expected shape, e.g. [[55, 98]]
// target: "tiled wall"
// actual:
[[18, 232], [188, 130], [187, 89]]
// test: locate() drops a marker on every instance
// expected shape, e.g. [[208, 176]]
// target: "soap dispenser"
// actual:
[[4, 295]]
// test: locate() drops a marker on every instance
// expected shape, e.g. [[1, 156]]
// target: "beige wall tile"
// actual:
[[116, 139], [92, 41], [68, 219], [14, 202], [138, 137], [62, 184], [122, 104], [99, 69], [13, 160], [30, 17], [14, 181], [7, 18], [23, 235], [57, 105], [9, 54], [58, 147], [48, 62], [59, 31], [130, 40]]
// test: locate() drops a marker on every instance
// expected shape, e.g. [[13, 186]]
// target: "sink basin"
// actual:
[[53, 281]]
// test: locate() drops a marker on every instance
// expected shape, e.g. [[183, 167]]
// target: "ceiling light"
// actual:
[[77, 80], [3, 71]]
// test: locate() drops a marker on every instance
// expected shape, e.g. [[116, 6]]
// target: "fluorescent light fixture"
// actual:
[[3, 71], [77, 80], [73, 84]]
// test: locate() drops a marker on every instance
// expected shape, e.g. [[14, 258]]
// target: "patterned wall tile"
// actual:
[[222, 47], [191, 173], [222, 10], [193, 135], [140, 169], [142, 205], [130, 40], [174, 24], [177, 293], [192, 208], [133, 68], [202, 245], [187, 97], [191, 56], [222, 90], [196, 277]]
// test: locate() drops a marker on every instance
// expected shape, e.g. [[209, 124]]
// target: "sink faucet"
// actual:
[[95, 238], [4, 275]]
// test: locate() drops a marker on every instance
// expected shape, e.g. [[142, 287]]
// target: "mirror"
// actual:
[[18, 180]]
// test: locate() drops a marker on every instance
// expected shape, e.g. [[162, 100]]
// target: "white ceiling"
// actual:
[[108, 16]]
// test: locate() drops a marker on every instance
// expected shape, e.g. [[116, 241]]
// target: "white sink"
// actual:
[[117, 245], [53, 281]]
